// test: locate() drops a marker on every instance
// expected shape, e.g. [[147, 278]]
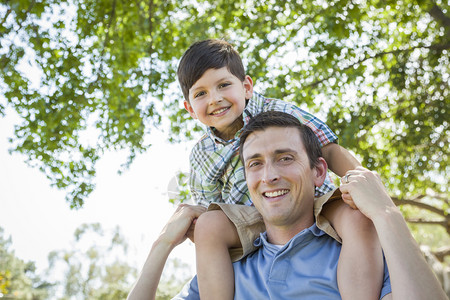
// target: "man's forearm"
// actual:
[[179, 227], [147, 283], [411, 277]]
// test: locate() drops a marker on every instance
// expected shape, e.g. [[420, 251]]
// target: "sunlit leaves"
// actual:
[[377, 71]]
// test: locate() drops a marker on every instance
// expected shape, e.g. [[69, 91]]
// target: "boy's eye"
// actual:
[[199, 94], [222, 85]]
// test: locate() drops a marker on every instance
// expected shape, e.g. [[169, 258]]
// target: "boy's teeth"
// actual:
[[276, 193], [219, 111]]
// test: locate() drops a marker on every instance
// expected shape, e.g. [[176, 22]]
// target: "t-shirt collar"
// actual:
[[302, 236]]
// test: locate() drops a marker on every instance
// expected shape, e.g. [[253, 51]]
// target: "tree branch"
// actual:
[[108, 27], [426, 222], [6, 16], [441, 253], [444, 223], [422, 205], [439, 47], [150, 16], [437, 14]]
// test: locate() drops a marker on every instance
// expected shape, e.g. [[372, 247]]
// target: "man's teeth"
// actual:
[[219, 111], [276, 193]]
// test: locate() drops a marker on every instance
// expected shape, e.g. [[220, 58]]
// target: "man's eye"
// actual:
[[253, 164], [286, 158]]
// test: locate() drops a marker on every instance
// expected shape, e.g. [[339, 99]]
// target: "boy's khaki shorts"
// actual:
[[249, 222]]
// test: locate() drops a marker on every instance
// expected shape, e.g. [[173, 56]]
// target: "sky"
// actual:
[[39, 220]]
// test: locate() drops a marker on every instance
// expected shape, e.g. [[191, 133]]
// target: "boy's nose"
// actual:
[[215, 97]]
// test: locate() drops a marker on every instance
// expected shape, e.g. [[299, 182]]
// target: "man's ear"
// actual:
[[248, 86], [320, 171], [190, 110]]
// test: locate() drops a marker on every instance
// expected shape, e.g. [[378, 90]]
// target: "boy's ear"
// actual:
[[190, 110], [248, 86], [320, 171]]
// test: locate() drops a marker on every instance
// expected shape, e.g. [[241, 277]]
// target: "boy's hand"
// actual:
[[367, 192], [181, 225]]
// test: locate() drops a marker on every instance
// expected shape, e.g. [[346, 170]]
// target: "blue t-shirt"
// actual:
[[305, 268]]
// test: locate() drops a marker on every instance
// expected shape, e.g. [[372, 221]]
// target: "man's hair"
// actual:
[[269, 119], [204, 55]]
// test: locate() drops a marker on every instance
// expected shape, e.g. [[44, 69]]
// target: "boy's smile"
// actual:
[[217, 100]]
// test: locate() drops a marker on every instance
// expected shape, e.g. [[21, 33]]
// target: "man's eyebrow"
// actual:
[[286, 150], [256, 155], [277, 152]]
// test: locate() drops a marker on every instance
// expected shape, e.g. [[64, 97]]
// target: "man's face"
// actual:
[[279, 177], [217, 100]]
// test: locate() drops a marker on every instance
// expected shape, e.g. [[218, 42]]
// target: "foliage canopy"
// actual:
[[376, 71]]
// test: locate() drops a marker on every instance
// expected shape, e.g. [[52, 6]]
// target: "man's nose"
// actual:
[[270, 174]]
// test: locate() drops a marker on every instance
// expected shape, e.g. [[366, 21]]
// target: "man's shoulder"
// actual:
[[189, 291]]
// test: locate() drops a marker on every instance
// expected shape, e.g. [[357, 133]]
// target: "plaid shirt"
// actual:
[[217, 174]]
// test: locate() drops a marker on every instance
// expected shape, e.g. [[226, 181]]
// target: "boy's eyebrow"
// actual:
[[193, 88]]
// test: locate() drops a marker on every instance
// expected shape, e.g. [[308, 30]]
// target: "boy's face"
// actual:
[[217, 100]]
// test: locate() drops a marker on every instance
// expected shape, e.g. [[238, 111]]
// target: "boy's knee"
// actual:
[[211, 224], [357, 223], [357, 217]]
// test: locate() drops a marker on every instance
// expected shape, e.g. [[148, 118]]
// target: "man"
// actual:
[[296, 259]]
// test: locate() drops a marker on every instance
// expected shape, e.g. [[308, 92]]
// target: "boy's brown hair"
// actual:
[[204, 55]]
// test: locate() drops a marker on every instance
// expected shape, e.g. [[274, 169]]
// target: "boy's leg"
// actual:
[[360, 266], [214, 235]]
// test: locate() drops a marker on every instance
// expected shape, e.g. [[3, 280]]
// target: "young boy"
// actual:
[[220, 95]]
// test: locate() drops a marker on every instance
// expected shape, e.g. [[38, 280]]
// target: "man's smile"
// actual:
[[276, 193]]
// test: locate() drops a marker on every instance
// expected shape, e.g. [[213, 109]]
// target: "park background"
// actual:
[[92, 126]]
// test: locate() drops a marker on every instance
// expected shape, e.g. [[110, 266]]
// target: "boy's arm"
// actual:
[[410, 275], [178, 228], [339, 159]]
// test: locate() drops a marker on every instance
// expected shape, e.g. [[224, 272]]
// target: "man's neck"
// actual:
[[280, 235]]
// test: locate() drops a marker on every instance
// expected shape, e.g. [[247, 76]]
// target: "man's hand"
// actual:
[[367, 191], [181, 225]]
